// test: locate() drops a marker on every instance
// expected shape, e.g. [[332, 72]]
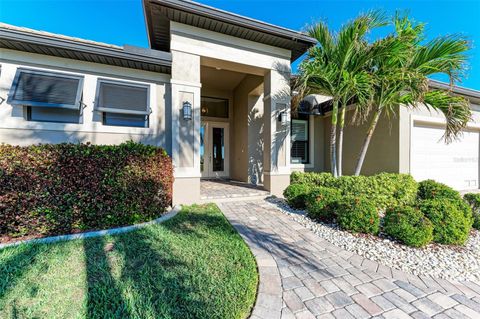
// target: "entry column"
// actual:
[[185, 89], [277, 129]]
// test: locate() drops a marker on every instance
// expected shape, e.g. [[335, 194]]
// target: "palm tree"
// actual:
[[336, 68], [401, 78]]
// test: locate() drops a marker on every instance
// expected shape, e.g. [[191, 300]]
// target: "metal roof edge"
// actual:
[[233, 18], [63, 42], [456, 89]]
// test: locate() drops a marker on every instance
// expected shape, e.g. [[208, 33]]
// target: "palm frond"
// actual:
[[446, 55], [456, 110]]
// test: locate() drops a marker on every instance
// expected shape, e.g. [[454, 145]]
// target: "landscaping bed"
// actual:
[[56, 189], [192, 266], [440, 261], [422, 228]]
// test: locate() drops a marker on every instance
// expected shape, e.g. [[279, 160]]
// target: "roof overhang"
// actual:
[[159, 13], [466, 92], [28, 40]]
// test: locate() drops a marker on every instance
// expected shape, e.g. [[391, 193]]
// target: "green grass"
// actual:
[[192, 266]]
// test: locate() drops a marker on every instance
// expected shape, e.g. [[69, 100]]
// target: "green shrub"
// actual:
[[321, 203], [56, 189], [430, 189], [296, 195], [474, 201], [318, 179], [357, 214], [385, 190], [451, 223], [394, 189], [408, 225]]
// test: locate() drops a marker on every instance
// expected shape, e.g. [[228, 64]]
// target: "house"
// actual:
[[213, 89]]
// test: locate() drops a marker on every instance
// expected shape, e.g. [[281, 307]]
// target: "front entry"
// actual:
[[214, 151]]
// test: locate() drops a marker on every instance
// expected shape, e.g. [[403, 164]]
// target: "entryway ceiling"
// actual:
[[212, 78]]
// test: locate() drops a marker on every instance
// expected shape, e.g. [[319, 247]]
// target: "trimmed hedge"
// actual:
[[384, 190], [319, 179], [408, 225], [357, 214], [430, 189], [296, 195], [474, 201], [64, 188], [451, 223], [321, 203]]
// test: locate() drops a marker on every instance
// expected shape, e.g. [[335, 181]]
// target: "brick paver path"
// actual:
[[304, 276], [219, 189]]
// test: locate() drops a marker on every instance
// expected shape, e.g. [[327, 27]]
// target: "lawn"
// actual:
[[192, 266]]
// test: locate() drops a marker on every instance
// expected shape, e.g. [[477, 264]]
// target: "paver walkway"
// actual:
[[215, 189], [304, 276]]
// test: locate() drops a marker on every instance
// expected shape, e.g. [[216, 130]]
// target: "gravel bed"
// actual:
[[441, 261]]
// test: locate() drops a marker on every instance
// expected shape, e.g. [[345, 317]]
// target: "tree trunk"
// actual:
[[366, 142], [333, 140], [340, 140]]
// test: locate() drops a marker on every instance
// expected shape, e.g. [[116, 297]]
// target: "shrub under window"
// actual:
[[296, 195], [63, 188]]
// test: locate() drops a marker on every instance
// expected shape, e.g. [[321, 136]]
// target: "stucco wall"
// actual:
[[246, 127], [383, 152], [15, 129]]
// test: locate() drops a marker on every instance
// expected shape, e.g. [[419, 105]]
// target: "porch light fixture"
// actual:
[[187, 111], [282, 118]]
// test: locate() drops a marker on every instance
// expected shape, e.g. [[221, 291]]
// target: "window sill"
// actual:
[[309, 165]]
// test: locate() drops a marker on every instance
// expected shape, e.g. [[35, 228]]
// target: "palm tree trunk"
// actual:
[[333, 139], [340, 140], [366, 142]]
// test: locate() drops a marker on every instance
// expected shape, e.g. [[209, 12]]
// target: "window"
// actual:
[[214, 107], [47, 96], [300, 141], [122, 103]]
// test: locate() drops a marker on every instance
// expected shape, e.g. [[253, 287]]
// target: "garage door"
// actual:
[[455, 164]]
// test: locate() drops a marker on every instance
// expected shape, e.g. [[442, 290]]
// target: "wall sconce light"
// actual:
[[187, 111], [282, 118]]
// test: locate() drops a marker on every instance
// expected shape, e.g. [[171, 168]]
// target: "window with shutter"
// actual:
[[299, 144], [123, 104], [47, 96]]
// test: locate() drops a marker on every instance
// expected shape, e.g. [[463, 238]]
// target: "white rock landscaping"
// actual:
[[441, 261]]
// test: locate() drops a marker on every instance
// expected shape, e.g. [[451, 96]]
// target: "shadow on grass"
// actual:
[[14, 267], [173, 270], [104, 298], [156, 279]]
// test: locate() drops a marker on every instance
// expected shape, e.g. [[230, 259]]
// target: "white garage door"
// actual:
[[455, 164]]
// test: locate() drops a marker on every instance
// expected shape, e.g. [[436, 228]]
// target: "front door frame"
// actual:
[[208, 150]]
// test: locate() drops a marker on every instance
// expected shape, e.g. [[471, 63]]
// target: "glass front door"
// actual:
[[214, 149]]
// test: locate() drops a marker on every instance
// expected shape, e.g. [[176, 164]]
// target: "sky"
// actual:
[[122, 22]]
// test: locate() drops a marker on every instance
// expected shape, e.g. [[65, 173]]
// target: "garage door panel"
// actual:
[[455, 164]]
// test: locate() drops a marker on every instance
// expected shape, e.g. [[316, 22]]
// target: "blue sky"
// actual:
[[122, 22]]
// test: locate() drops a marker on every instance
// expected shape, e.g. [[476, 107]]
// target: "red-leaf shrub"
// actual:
[[56, 189]]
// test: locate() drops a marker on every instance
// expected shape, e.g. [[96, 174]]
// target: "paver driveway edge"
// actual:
[[304, 276]]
